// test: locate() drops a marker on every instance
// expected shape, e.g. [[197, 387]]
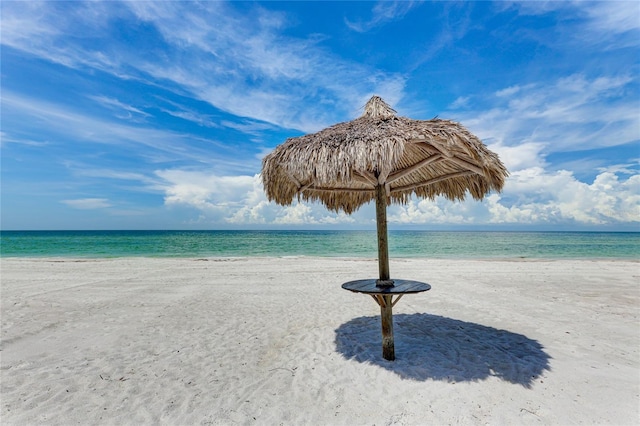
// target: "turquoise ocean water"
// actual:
[[104, 244]]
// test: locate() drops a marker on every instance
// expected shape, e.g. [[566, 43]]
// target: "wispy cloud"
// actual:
[[88, 203], [159, 145], [612, 17], [569, 114], [617, 16], [240, 63], [121, 110], [383, 12], [247, 126], [6, 138], [188, 114], [37, 27], [86, 171], [608, 24], [460, 102]]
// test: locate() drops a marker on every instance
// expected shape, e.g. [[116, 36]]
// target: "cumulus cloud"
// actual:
[[423, 211], [206, 192], [297, 214], [531, 196], [543, 197], [534, 196], [523, 156], [238, 200]]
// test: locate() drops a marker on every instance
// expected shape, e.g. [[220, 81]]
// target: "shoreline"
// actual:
[[274, 340], [633, 259]]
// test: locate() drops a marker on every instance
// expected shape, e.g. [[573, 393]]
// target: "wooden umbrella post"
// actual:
[[386, 316], [383, 245], [385, 301]]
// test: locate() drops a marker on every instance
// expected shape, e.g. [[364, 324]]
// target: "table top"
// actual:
[[400, 287]]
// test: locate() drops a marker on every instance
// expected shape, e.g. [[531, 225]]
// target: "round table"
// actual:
[[383, 292]]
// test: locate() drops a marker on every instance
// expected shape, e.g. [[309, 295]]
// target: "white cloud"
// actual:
[[36, 27], [88, 203], [5, 138], [531, 196], [439, 211], [613, 17], [121, 109], [261, 212], [240, 63], [560, 198], [238, 200], [571, 113], [337, 218], [606, 16], [611, 24], [507, 92], [297, 214], [85, 171], [154, 145], [206, 192], [382, 13], [188, 114], [518, 157], [539, 197], [460, 102]]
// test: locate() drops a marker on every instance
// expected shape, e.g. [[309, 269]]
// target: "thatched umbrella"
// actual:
[[383, 157]]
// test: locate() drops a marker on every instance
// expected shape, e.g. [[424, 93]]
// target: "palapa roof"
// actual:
[[341, 165]]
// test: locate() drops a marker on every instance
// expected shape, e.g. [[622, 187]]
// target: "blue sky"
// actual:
[[156, 115]]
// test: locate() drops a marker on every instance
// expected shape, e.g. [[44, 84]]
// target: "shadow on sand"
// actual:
[[439, 348]]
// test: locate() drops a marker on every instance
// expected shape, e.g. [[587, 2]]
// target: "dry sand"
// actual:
[[277, 341]]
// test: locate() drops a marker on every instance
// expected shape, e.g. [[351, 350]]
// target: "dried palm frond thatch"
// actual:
[[342, 165]]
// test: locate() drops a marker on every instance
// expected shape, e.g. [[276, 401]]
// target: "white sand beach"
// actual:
[[272, 341]]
